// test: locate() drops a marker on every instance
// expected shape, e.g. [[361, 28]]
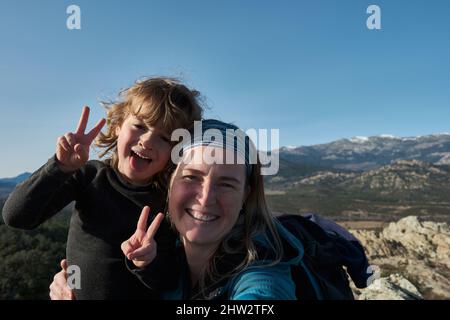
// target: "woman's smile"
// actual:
[[201, 216]]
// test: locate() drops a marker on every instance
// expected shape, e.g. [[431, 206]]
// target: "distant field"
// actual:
[[367, 225], [345, 205]]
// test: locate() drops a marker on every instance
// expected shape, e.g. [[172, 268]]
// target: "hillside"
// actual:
[[388, 192]]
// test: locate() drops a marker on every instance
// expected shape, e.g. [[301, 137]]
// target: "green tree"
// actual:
[[29, 259]]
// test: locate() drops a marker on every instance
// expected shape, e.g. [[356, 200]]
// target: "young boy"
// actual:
[[109, 195]]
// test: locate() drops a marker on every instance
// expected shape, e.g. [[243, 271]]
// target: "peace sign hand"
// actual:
[[141, 247], [72, 150]]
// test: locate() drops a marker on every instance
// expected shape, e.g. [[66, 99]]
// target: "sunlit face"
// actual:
[[142, 151], [205, 199]]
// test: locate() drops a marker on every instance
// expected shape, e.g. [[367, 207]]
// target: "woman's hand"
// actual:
[[141, 247], [72, 150], [59, 290]]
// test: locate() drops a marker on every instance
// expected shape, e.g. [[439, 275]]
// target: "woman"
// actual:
[[230, 247]]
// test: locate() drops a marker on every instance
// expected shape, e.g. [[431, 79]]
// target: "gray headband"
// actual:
[[219, 134]]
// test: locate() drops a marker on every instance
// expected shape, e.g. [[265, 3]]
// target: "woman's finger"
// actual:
[[142, 251], [60, 280], [154, 227], [63, 264], [126, 247], [142, 223], [57, 289], [51, 294], [143, 260]]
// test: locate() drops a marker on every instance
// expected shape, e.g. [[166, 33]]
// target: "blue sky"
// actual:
[[310, 68]]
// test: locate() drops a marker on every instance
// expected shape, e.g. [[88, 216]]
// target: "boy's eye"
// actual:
[[166, 139], [139, 126]]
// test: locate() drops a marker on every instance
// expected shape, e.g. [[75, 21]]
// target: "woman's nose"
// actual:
[[207, 194]]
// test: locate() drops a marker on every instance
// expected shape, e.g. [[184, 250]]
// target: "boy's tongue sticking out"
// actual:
[[138, 161]]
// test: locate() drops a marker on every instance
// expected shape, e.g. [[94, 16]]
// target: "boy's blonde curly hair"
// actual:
[[158, 100]]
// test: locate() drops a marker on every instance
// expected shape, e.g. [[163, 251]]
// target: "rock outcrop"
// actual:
[[394, 287], [413, 257]]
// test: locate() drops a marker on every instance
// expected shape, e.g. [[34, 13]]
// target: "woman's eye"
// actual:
[[190, 178], [227, 185]]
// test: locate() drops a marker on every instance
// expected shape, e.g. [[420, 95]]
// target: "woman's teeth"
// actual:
[[201, 216]]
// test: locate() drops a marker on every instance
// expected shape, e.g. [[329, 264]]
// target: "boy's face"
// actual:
[[142, 151]]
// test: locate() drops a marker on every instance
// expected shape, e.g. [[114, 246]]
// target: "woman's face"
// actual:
[[205, 199]]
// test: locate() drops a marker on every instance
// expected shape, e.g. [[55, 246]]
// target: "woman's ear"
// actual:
[[244, 199], [246, 193]]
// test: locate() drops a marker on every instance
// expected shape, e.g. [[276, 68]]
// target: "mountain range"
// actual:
[[381, 177], [367, 153], [15, 180], [8, 184]]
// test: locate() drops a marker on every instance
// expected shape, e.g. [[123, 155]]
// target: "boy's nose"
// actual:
[[147, 140]]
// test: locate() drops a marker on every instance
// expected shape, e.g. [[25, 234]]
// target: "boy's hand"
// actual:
[[141, 247], [72, 150]]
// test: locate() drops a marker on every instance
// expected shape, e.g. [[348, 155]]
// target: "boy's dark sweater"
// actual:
[[106, 212]]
